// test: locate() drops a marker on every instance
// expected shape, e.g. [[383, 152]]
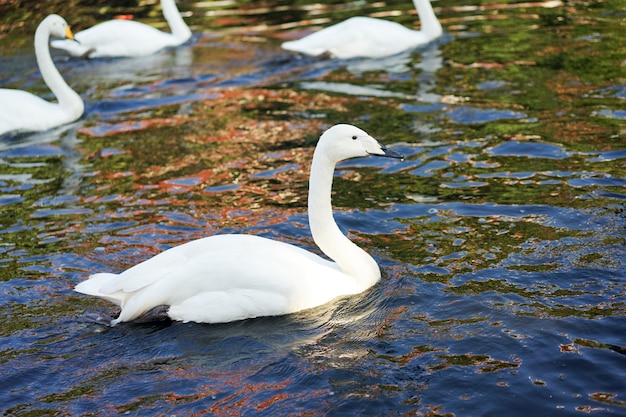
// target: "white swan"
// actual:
[[23, 111], [127, 38], [366, 37], [224, 278]]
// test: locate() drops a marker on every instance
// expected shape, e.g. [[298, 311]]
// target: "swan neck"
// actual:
[[351, 259], [68, 99], [179, 28], [428, 20]]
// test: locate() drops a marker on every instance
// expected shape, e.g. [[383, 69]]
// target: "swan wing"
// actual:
[[144, 273], [223, 278], [219, 263], [232, 305], [332, 40], [257, 277], [273, 280], [71, 47], [358, 37]]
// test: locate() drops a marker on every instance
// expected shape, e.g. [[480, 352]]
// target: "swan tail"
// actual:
[[134, 304], [94, 285], [298, 46]]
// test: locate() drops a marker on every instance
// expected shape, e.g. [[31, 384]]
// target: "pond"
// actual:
[[501, 235]]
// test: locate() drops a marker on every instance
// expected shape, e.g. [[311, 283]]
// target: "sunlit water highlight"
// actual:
[[500, 236]]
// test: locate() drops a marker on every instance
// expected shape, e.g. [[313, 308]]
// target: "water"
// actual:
[[500, 236]]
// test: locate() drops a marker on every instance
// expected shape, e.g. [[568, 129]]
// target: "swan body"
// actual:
[[231, 277], [366, 37], [127, 38], [23, 111]]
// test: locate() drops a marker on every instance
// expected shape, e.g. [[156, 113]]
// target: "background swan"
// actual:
[[127, 38], [225, 278], [23, 111], [368, 37]]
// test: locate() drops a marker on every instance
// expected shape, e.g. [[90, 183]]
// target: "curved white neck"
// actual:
[[430, 26], [68, 99], [179, 28], [351, 259]]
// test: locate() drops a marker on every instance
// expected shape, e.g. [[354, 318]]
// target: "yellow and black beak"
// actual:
[[68, 33]]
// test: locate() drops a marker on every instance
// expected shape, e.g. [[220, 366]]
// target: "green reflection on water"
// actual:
[[556, 66]]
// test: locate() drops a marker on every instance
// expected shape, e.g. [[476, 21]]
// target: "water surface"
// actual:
[[500, 236]]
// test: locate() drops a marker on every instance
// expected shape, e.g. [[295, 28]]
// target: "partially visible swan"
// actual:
[[23, 111], [231, 277], [127, 38], [366, 37]]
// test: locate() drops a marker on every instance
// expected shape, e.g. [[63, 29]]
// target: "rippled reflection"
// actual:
[[500, 236]]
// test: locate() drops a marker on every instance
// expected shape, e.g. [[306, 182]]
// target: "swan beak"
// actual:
[[387, 153], [68, 33]]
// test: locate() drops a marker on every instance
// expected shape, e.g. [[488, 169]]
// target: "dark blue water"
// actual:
[[500, 236]]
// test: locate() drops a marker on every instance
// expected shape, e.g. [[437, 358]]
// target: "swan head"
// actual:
[[345, 141], [58, 27]]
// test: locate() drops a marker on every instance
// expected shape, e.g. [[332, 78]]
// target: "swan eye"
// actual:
[[354, 137]]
